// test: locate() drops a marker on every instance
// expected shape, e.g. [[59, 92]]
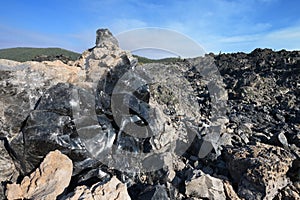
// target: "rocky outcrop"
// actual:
[[289, 192], [47, 182], [105, 38], [38, 136], [105, 56], [259, 170], [205, 187], [216, 127], [114, 189], [8, 171], [61, 57], [263, 87], [22, 85]]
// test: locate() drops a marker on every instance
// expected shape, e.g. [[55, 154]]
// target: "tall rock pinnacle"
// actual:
[[104, 36]]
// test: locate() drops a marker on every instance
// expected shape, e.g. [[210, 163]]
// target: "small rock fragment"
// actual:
[[114, 189], [47, 182], [8, 170], [205, 186]]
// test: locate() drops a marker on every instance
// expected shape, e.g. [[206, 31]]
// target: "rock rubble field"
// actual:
[[104, 126]]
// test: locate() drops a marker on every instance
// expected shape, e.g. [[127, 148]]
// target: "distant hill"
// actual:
[[23, 54], [144, 60]]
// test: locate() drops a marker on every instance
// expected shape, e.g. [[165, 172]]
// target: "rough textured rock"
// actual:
[[205, 186], [104, 37], [114, 189], [48, 127], [259, 170], [229, 191], [21, 86], [8, 171], [239, 114], [263, 89], [61, 57], [56, 105], [289, 192], [47, 182], [151, 192], [106, 55]]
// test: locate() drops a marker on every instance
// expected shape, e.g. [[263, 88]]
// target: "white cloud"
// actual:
[[160, 39], [287, 38], [121, 25]]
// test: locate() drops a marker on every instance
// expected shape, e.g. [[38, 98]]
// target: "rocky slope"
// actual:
[[215, 127]]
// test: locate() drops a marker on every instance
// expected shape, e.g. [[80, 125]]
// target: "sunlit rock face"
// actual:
[[46, 182], [172, 130], [105, 37]]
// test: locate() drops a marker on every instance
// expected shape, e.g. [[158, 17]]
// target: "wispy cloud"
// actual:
[[120, 25], [160, 39], [12, 37], [287, 38]]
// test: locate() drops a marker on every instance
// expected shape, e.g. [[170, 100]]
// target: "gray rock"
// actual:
[[205, 186], [49, 127], [156, 192], [282, 139], [259, 170], [8, 171], [104, 36], [113, 189], [99, 61], [288, 192], [183, 109], [21, 86]]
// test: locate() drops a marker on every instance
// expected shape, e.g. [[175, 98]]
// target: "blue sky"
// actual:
[[217, 25]]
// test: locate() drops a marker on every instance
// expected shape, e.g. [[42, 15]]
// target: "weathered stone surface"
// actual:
[[289, 192], [49, 127], [21, 86], [104, 37], [106, 55], [259, 170], [8, 171], [114, 189], [61, 57], [250, 137], [47, 182], [154, 193], [229, 191], [205, 186]]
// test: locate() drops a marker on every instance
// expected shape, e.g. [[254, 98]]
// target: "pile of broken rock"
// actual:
[[49, 149]]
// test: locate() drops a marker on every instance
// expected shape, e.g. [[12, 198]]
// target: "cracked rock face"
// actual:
[[243, 140], [104, 36], [8, 171], [21, 86], [46, 182], [260, 170], [114, 189], [205, 186]]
